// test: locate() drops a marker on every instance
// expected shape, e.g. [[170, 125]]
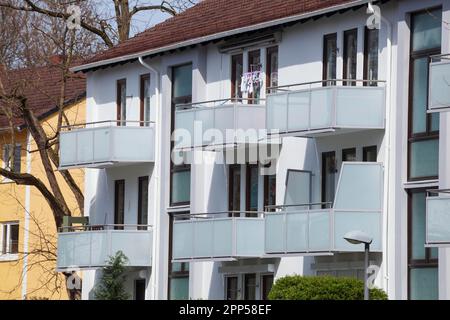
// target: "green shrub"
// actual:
[[321, 288], [111, 286]]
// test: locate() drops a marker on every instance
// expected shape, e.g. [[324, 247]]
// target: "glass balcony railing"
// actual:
[[312, 108], [308, 229], [89, 247], [217, 236], [439, 83], [438, 218], [104, 144], [219, 122]]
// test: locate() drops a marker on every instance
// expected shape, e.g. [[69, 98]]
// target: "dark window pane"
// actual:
[[139, 289], [143, 201], [254, 64], [182, 81], [423, 284], [181, 186], [370, 154], [371, 56], [179, 288], [349, 154], [424, 158], [267, 282], [237, 68], [272, 67], [350, 53], [419, 96], [270, 190], [252, 188], [427, 30], [330, 58], [418, 226], [328, 176], [235, 189], [250, 286], [4, 239], [232, 288], [121, 102], [119, 204]]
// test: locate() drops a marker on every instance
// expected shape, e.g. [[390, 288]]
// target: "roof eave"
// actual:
[[216, 36]]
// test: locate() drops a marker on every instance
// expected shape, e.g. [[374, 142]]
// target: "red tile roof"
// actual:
[[210, 17], [41, 86]]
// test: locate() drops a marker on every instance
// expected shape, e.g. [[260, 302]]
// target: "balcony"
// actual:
[[217, 237], [438, 218], [89, 247], [439, 84], [218, 123], [105, 144], [311, 109], [305, 229]]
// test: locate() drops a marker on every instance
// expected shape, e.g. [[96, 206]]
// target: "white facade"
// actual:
[[300, 60]]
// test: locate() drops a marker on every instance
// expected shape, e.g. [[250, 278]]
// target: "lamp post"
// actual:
[[359, 237]]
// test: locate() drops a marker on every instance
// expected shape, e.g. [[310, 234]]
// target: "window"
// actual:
[[252, 187], [178, 271], [370, 154], [250, 286], [237, 68], [349, 154], [267, 283], [350, 55], [423, 150], [145, 100], [121, 97], [422, 262], [180, 180], [119, 204], [7, 157], [232, 288], [139, 289], [234, 191], [254, 64], [329, 58], [270, 190], [143, 202], [9, 238], [371, 56], [328, 177], [272, 67]]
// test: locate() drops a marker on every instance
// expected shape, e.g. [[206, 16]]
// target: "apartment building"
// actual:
[[293, 123], [27, 227]]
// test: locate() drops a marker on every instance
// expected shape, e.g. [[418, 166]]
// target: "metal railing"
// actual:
[[101, 227], [324, 83], [218, 214], [218, 103], [106, 123], [440, 57]]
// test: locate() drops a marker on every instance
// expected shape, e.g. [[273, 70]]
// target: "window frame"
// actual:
[[428, 262], [236, 92], [143, 78], [117, 214], [428, 135], [367, 31], [326, 38], [345, 57], [367, 149], [119, 84], [141, 180], [5, 248], [248, 176], [274, 50]]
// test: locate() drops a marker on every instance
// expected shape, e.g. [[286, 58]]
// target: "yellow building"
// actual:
[[27, 227]]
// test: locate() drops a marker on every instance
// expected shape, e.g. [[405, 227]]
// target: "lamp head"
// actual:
[[358, 237]]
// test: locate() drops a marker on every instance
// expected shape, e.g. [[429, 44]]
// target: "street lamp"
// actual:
[[359, 237]]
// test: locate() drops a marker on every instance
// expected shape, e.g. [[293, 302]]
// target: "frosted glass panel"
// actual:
[[68, 155], [424, 159], [297, 232], [184, 120], [102, 144], [181, 186], [319, 230], [203, 236], [321, 108], [84, 146], [438, 219], [81, 249], [249, 237], [298, 111], [360, 108], [274, 237], [223, 244], [183, 237], [277, 112], [439, 84], [206, 117], [298, 189], [360, 187], [367, 222], [424, 284]]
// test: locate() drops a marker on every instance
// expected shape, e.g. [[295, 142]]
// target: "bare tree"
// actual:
[[110, 20]]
